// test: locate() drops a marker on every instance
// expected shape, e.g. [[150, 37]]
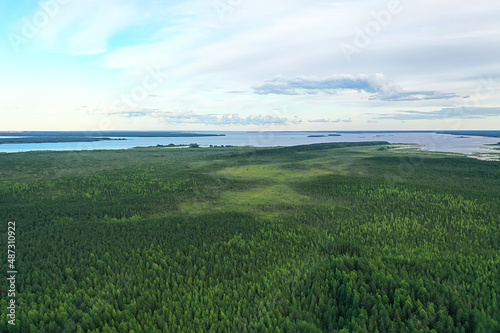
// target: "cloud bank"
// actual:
[[377, 85], [323, 120], [191, 117], [464, 112]]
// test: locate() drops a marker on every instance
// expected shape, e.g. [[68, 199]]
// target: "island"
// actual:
[[487, 133], [496, 146], [321, 135]]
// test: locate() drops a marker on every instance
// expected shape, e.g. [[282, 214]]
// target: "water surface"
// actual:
[[425, 141]]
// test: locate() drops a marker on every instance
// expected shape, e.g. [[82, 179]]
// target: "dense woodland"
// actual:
[[320, 238]]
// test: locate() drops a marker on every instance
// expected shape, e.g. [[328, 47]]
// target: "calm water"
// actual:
[[425, 141]]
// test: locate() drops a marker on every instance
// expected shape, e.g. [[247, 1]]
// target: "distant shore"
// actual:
[[96, 134], [42, 139]]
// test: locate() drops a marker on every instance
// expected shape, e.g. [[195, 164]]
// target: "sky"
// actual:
[[249, 65]]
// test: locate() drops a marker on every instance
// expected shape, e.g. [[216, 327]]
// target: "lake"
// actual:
[[424, 140]]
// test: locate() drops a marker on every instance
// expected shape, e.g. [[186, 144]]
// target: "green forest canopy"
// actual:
[[322, 238]]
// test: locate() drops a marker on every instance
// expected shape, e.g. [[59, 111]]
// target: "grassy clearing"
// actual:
[[272, 172]]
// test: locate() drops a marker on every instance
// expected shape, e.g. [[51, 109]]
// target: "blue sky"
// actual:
[[249, 65]]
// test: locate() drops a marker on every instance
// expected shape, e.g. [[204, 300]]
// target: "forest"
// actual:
[[343, 237]]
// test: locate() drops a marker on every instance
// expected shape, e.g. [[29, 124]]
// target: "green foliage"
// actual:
[[332, 238]]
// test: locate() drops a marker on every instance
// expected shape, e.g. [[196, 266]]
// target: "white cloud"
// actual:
[[323, 120], [191, 117], [376, 84], [464, 112], [429, 55], [86, 28]]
